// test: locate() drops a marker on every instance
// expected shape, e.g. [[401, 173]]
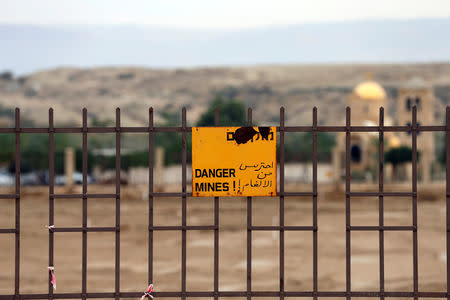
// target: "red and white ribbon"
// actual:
[[50, 227], [53, 280], [147, 293]]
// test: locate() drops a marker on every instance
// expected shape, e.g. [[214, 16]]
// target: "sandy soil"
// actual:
[[265, 263]]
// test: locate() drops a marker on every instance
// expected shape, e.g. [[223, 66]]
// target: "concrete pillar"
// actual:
[[69, 165], [159, 169], [388, 172], [336, 158]]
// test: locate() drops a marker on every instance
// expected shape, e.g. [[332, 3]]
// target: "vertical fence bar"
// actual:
[[347, 204], [17, 208], [249, 229], [51, 199], [314, 188], [84, 217], [381, 199], [447, 192], [117, 254], [414, 201], [150, 195], [216, 228], [281, 203], [183, 204]]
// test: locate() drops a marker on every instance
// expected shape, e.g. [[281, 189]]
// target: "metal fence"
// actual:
[[150, 130]]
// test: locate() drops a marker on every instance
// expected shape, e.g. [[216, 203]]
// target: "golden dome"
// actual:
[[394, 142], [370, 90]]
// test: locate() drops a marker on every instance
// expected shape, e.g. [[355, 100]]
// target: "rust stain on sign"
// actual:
[[264, 131], [234, 161], [244, 134]]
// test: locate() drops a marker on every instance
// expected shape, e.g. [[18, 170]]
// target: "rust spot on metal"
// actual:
[[244, 134], [264, 131]]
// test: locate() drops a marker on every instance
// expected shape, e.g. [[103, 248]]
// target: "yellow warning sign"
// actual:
[[234, 161]]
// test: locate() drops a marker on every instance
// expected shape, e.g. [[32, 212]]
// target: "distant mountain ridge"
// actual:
[[28, 48]]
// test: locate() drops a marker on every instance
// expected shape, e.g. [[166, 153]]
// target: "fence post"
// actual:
[[315, 221], [249, 228], [84, 208], [281, 208], [381, 199], [216, 228], [183, 203], [17, 208], [117, 251], [51, 190], [347, 205], [414, 204], [447, 186], [150, 195]]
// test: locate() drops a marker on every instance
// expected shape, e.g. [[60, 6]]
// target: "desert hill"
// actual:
[[264, 88]]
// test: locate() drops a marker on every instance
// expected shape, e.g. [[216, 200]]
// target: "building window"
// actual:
[[355, 153], [408, 104], [418, 102]]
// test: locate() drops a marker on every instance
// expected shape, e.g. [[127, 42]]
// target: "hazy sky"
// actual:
[[214, 14]]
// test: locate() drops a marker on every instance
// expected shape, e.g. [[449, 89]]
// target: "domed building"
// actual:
[[365, 102]]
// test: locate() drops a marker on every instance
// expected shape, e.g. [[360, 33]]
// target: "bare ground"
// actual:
[[232, 253]]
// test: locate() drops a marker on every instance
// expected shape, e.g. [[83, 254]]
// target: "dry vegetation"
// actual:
[[265, 88]]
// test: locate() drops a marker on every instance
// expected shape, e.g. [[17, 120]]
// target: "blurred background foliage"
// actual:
[[34, 147]]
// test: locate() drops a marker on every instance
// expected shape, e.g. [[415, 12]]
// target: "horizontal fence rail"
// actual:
[[189, 129], [150, 130]]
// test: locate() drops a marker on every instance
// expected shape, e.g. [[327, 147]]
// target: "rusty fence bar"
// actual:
[[183, 205], [51, 192], [414, 203], [150, 195], [447, 193], [117, 253], [381, 200], [127, 129], [216, 228], [281, 203], [84, 217], [249, 229], [314, 188], [348, 250], [281, 228], [17, 189]]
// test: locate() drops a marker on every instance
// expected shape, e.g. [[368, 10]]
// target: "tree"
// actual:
[[299, 146], [398, 156], [441, 141], [231, 112]]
